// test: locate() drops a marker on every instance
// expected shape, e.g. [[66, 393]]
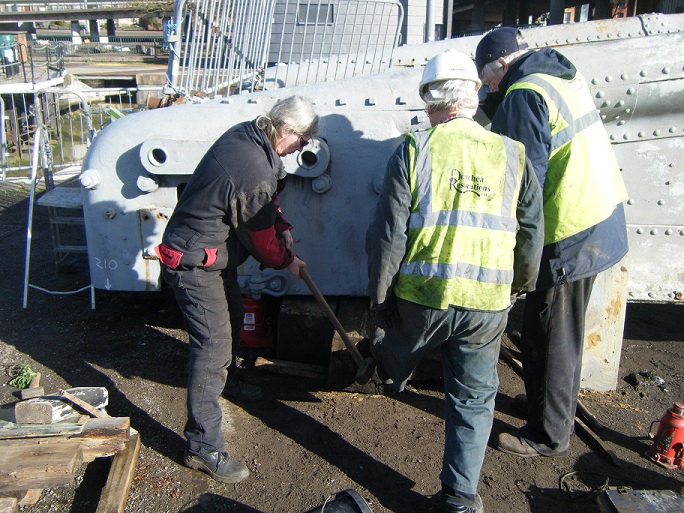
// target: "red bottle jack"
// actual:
[[668, 443]]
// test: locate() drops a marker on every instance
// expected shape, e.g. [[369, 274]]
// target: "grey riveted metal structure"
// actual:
[[135, 167]]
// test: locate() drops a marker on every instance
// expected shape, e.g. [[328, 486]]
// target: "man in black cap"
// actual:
[[541, 99]]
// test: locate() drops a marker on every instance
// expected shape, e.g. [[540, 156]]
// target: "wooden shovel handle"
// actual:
[[356, 355], [83, 405]]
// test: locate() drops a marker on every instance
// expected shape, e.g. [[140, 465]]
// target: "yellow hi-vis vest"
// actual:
[[465, 183], [583, 184]]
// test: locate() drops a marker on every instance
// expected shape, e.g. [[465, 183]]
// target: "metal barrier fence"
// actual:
[[215, 40], [72, 119], [225, 46], [46, 61], [151, 46], [52, 5], [331, 40], [11, 59], [31, 63]]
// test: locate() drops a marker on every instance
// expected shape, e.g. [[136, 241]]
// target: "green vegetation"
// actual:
[[21, 376]]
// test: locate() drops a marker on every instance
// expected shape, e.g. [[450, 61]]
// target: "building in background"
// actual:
[[473, 17]]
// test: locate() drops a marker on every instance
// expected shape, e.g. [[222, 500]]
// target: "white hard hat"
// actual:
[[450, 65]]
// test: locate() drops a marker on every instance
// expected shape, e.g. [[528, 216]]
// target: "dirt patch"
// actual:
[[304, 443]]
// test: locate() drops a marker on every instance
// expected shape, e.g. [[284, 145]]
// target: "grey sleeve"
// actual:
[[529, 241], [387, 234]]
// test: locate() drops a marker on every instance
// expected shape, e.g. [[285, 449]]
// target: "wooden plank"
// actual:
[[8, 505], [604, 329], [35, 463], [26, 452], [10, 430], [30, 496], [98, 437], [115, 492], [62, 197], [104, 436], [23, 497], [305, 370], [26, 464]]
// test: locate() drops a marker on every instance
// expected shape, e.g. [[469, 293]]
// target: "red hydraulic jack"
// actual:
[[668, 443]]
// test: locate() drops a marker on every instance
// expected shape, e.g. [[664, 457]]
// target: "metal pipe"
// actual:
[[174, 56], [279, 58], [29, 226], [430, 21]]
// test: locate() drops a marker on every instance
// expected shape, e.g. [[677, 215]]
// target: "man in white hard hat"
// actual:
[[457, 234]]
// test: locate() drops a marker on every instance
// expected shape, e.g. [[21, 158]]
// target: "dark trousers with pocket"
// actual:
[[552, 346], [211, 305]]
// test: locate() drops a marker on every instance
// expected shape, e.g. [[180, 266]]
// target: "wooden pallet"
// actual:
[[29, 464]]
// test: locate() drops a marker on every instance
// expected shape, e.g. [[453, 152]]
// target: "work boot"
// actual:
[[217, 464], [237, 390], [456, 502], [513, 443]]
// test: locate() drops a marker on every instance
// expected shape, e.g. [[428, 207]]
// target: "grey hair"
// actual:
[[458, 95], [294, 114], [489, 70]]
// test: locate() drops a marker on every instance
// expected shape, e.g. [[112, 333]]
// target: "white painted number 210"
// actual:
[[106, 264]]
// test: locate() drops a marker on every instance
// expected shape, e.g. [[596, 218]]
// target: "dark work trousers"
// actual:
[[204, 298], [552, 345], [236, 311]]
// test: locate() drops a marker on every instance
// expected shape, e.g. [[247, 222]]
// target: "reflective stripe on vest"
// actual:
[[465, 183], [583, 184]]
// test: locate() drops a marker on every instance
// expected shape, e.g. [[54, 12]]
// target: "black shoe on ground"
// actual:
[[513, 443], [238, 390], [217, 464], [455, 502]]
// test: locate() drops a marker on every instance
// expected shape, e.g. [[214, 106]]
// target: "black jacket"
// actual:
[[228, 209]]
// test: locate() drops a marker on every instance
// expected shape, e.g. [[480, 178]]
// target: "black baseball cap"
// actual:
[[495, 44]]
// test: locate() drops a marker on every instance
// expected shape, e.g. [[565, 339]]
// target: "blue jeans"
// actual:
[[470, 343], [212, 310]]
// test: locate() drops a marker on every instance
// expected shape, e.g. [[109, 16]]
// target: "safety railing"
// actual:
[[30, 63], [224, 47], [68, 124], [212, 41], [331, 40], [46, 61], [40, 158], [125, 46], [52, 5]]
